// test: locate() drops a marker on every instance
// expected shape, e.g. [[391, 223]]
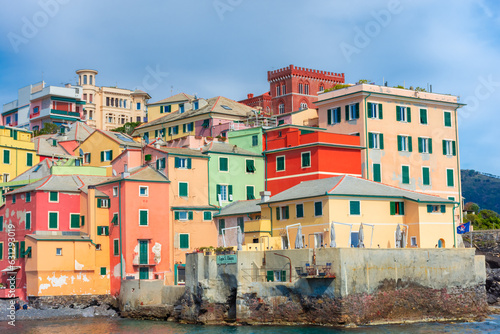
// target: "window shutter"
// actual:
[[398, 113], [102, 156], [99, 230], [370, 140], [176, 215], [270, 276], [347, 113], [408, 114], [99, 203], [400, 148], [376, 173], [110, 155], [449, 178], [426, 176], [169, 130], [82, 220], [329, 114], [429, 208], [157, 163], [402, 207], [453, 146], [23, 248], [190, 215], [184, 241], [156, 133], [177, 162], [230, 192], [443, 208], [357, 110], [283, 275], [370, 110], [429, 144], [410, 144], [406, 175], [420, 144], [393, 208], [380, 114], [444, 147], [184, 128], [278, 213], [143, 218], [381, 138], [106, 230], [337, 110], [188, 163]]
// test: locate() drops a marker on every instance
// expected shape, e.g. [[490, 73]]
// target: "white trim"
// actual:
[[139, 220], [311, 173], [284, 164], [252, 173], [74, 228], [179, 188], [118, 247], [218, 167], [147, 191], [57, 196], [302, 159], [48, 220], [189, 240], [31, 223]]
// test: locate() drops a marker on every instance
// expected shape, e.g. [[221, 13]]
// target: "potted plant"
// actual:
[[219, 250], [210, 138], [209, 250], [198, 137]]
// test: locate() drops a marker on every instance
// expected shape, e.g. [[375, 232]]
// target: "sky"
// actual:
[[226, 47]]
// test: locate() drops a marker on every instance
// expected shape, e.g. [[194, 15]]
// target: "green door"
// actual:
[[143, 273], [143, 252]]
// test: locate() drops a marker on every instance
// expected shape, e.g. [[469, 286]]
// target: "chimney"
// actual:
[[264, 196], [125, 171], [249, 96]]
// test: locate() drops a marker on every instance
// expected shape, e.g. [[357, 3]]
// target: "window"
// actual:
[[6, 157], [143, 218], [115, 191], [188, 127], [376, 140], [306, 91], [183, 241], [222, 225], [27, 218], [53, 196], [424, 145], [58, 251], [282, 212], [413, 241], [84, 79], [447, 119], [29, 159], [377, 175], [375, 110], [405, 172], [183, 215], [306, 159], [181, 108], [250, 192], [102, 230], [114, 221], [103, 271], [106, 155], [53, 220], [403, 114], [255, 140], [283, 89], [143, 191], [82, 220], [241, 223], [423, 116], [138, 105], [224, 192], [14, 199], [223, 164], [299, 210], [207, 215], [397, 208], [318, 240], [28, 197], [196, 105], [426, 177], [74, 220], [280, 163], [333, 116], [431, 208], [250, 166], [278, 90], [352, 111], [184, 162], [405, 144], [107, 101], [281, 108], [354, 208], [449, 147], [86, 158], [103, 203], [183, 189], [6, 177], [36, 110], [303, 106], [450, 180], [116, 247], [318, 209], [301, 88], [321, 88], [161, 163]]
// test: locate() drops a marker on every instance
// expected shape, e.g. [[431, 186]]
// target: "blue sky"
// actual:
[[226, 47]]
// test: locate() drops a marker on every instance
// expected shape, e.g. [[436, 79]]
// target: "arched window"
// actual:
[[282, 108], [303, 105], [84, 79], [306, 88], [321, 87], [278, 89], [283, 88], [268, 110], [91, 79], [112, 101], [301, 88]]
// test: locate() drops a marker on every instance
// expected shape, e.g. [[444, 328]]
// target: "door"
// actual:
[[143, 252], [143, 273]]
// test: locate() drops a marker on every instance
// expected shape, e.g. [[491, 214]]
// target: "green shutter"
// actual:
[[218, 190], [190, 215], [449, 178], [443, 208], [357, 110], [230, 192], [102, 156], [6, 156], [177, 162], [354, 208], [188, 163], [184, 128], [329, 114], [17, 249], [270, 276], [53, 196], [99, 230], [381, 139], [116, 247], [143, 273], [406, 175], [29, 159], [28, 220], [377, 177], [278, 213], [223, 164], [114, 221], [347, 112], [161, 109], [454, 148], [280, 161], [393, 208], [222, 225], [156, 133], [380, 113], [400, 143], [53, 220], [429, 208], [429, 144], [318, 208], [176, 215], [143, 252], [169, 130], [183, 189], [423, 116], [370, 140], [370, 110], [1, 223], [299, 210], [250, 193], [23, 246], [426, 176], [99, 202], [184, 241], [410, 144], [143, 218], [283, 275], [82, 220], [408, 114], [398, 113], [286, 213], [28, 197], [420, 149], [444, 147], [447, 118], [207, 215], [75, 221]]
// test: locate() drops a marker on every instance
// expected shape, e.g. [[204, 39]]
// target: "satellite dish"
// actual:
[[114, 172], [81, 152]]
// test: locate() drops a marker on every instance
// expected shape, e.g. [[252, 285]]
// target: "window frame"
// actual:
[[59, 251], [147, 221], [284, 163], [57, 220], [316, 207], [141, 188], [444, 119], [116, 247], [30, 220], [227, 165], [253, 165], [71, 220], [351, 208], [246, 192], [428, 175], [204, 216], [179, 188], [188, 240], [426, 116], [115, 191], [50, 197], [296, 211], [302, 159], [452, 177]]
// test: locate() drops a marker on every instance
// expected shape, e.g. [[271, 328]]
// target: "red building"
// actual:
[[295, 154], [293, 88]]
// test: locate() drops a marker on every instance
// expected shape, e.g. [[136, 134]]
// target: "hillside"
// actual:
[[480, 188]]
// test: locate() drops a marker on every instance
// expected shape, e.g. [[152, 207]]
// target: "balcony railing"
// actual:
[[65, 113]]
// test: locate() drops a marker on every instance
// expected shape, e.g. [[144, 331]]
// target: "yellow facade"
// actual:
[[156, 111], [18, 153], [97, 143]]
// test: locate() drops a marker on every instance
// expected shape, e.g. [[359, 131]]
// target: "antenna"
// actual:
[[114, 172]]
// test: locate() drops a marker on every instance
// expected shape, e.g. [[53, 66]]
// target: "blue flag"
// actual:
[[464, 228]]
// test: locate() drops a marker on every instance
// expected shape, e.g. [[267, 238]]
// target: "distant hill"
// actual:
[[482, 189]]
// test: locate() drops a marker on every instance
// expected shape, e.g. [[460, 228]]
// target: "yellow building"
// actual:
[[18, 152], [411, 136], [425, 221], [169, 105], [101, 147]]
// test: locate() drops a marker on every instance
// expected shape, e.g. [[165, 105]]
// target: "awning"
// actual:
[[11, 269]]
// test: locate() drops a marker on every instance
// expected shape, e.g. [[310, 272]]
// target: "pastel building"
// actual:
[[17, 152], [426, 221], [181, 101], [295, 154], [110, 107], [411, 137], [38, 104]]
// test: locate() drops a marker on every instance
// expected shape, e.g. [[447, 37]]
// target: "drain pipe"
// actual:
[[366, 137], [290, 263]]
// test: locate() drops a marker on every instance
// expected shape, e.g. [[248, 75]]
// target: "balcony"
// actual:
[[70, 93], [65, 113]]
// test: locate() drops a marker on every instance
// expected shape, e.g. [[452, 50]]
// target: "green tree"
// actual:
[[127, 128], [471, 206], [48, 128]]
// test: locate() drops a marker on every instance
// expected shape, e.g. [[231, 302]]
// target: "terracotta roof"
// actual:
[[240, 208], [175, 98], [226, 148]]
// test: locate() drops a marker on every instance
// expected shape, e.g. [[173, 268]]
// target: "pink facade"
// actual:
[[131, 157]]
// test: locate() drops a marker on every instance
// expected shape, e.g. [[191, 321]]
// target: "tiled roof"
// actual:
[[62, 183], [181, 97], [240, 208], [350, 186], [121, 138], [223, 147], [43, 146], [179, 150], [142, 173], [79, 131]]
